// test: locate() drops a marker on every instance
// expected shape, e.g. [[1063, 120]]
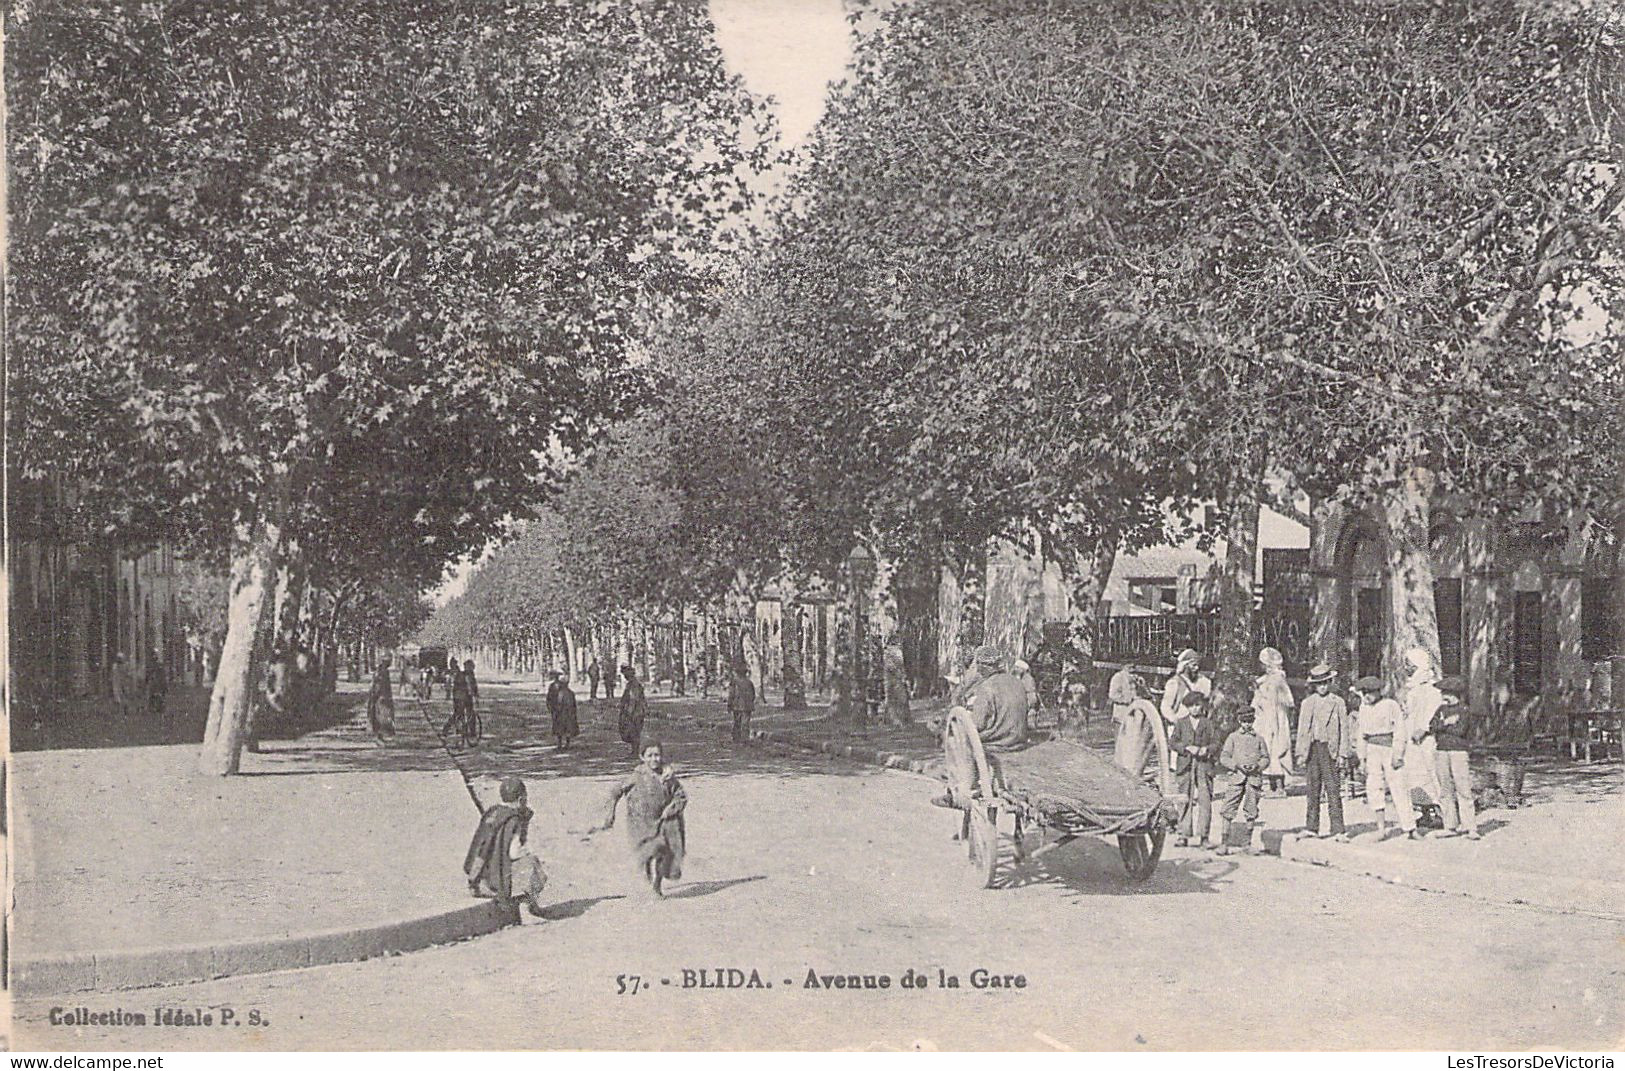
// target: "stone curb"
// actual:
[[138, 968], [1585, 896], [856, 752]]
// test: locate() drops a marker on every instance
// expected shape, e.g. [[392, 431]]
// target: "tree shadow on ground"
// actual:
[[706, 888], [517, 741], [1092, 866]]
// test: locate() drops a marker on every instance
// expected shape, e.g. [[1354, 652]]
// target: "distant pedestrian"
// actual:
[[1455, 776], [1383, 754], [499, 862], [1195, 747], [464, 691], [741, 702], [381, 703], [426, 683], [122, 686], [1320, 748], [1272, 708], [634, 709], [1245, 756], [402, 675], [561, 708], [655, 802], [593, 674], [157, 688]]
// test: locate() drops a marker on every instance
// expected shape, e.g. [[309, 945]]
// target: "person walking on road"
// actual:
[[1196, 750], [1319, 750], [741, 702], [593, 674], [381, 702], [1383, 754], [1455, 777], [464, 691], [561, 708], [1272, 709], [634, 710]]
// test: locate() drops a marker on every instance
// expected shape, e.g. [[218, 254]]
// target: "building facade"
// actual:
[[1530, 618]]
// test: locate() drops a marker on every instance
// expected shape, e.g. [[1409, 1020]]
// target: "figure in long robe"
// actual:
[[655, 801], [561, 708], [1273, 704]]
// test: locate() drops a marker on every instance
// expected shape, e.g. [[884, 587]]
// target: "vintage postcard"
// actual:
[[863, 525]]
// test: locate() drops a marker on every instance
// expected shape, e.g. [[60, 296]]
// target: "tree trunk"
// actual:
[[277, 683], [1238, 666], [571, 656], [914, 589], [230, 703], [950, 616], [1091, 572], [1407, 509], [795, 687], [897, 690], [1012, 576]]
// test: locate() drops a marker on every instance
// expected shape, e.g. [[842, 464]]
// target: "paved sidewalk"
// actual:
[[126, 851], [1559, 850]]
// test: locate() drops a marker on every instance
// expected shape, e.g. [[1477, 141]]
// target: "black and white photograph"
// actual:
[[863, 526]]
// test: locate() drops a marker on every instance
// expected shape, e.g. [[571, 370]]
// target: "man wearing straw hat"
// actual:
[[1320, 745]]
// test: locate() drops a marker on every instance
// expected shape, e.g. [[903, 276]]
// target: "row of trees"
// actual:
[[327, 293], [1050, 277]]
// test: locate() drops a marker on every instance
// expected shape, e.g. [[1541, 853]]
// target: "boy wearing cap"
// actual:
[[1319, 748], [1382, 753], [1246, 755], [499, 861], [1450, 761], [1195, 748]]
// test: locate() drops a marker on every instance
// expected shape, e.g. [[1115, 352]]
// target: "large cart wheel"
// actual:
[[1140, 852], [982, 844], [970, 788]]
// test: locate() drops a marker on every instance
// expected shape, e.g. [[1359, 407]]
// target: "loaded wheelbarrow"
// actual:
[[1055, 784]]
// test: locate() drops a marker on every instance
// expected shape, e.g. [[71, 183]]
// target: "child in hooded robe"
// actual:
[[500, 863]]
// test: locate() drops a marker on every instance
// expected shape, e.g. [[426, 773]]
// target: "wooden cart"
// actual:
[[978, 794]]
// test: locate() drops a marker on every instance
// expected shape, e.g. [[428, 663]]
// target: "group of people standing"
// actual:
[[1417, 741]]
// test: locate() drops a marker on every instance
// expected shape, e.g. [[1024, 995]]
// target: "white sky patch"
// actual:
[[789, 50]]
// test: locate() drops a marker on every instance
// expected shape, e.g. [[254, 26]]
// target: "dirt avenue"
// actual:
[[820, 877]]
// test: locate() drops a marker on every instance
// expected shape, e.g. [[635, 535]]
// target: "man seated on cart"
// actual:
[[997, 705]]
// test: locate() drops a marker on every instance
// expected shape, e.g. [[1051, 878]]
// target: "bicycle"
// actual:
[[467, 723]]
